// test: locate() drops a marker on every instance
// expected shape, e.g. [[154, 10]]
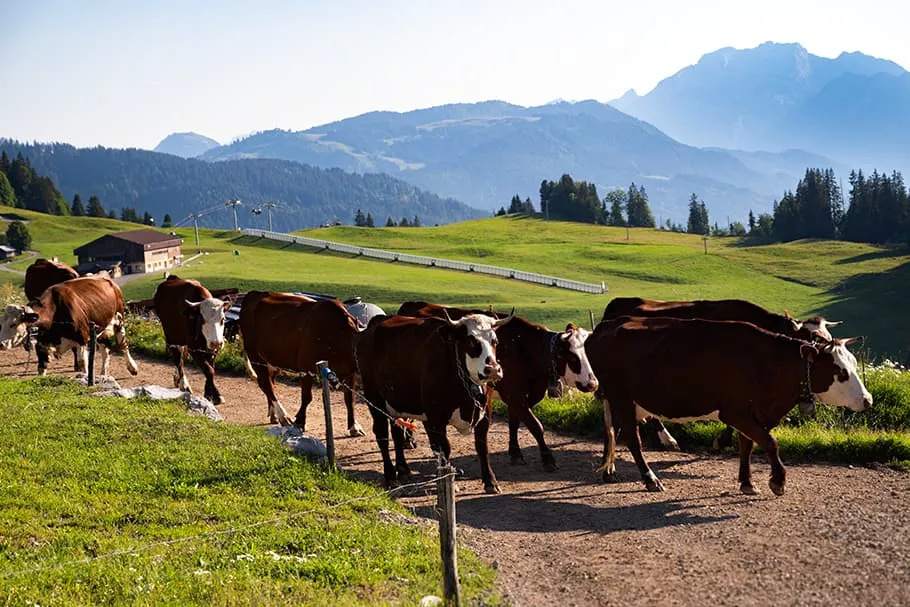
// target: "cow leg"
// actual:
[[306, 397], [44, 357], [439, 441], [536, 430], [265, 378], [515, 456], [105, 355], [381, 433], [120, 337], [178, 355], [78, 360], [745, 465], [652, 483], [205, 360], [608, 467], [724, 439], [354, 429], [401, 464], [666, 439], [754, 431], [481, 430]]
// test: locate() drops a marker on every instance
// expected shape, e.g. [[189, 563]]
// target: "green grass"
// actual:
[[83, 477]]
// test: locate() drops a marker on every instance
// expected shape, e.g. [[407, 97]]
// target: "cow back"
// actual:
[[170, 306], [45, 273], [721, 310], [294, 332], [67, 309]]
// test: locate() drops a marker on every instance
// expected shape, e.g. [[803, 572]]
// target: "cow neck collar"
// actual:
[[552, 374], [806, 400], [475, 392]]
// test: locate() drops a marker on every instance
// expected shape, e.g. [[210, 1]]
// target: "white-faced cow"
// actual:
[[429, 370], [722, 309], [687, 369], [293, 332], [193, 324], [65, 312], [533, 360]]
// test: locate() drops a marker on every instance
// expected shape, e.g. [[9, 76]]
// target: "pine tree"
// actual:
[[167, 223], [515, 206], [7, 195], [147, 219], [404, 223], [4, 162], [415, 223], [129, 214], [369, 222], [751, 222], [638, 213], [111, 214], [78, 209], [94, 207], [359, 219], [501, 212], [528, 207], [698, 216], [390, 223]]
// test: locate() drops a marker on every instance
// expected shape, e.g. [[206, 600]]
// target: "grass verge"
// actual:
[[107, 478]]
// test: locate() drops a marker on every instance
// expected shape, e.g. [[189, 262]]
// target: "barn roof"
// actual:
[[148, 239]]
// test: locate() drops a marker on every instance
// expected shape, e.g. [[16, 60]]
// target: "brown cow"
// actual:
[[64, 313], [193, 324], [533, 360], [292, 332], [688, 369], [44, 273], [720, 309], [430, 370]]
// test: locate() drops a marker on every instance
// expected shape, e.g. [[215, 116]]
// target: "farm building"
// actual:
[[135, 252], [6, 252]]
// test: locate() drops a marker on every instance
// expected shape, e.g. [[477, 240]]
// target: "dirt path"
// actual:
[[840, 536]]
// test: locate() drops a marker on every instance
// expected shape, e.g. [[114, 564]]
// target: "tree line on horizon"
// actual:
[[876, 211]]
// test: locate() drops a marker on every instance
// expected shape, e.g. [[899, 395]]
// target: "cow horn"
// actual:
[[449, 318], [192, 304], [832, 323], [503, 321], [849, 340]]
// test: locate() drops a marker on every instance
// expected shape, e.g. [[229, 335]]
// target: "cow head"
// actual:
[[474, 337], [571, 362], [833, 375], [818, 327], [14, 329], [210, 315]]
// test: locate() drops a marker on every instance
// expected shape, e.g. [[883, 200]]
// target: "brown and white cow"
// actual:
[[65, 312], [293, 333], [429, 370], [533, 360], [193, 324], [721, 309], [38, 277], [687, 369]]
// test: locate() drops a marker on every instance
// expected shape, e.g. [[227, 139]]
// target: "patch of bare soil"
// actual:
[[840, 535]]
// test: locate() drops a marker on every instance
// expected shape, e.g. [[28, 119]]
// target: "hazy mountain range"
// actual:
[[776, 96], [186, 145]]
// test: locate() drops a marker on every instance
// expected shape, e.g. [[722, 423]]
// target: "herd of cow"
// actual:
[[729, 360]]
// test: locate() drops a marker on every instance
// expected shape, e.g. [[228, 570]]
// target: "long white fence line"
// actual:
[[420, 260]]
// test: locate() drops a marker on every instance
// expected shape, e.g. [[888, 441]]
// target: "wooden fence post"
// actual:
[[324, 372], [591, 315], [445, 506], [92, 336]]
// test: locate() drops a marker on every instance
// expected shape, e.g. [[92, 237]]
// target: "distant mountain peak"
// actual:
[[186, 145]]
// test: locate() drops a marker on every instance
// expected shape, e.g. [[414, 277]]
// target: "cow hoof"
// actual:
[[549, 465], [654, 485], [404, 473], [519, 460], [610, 477], [492, 488], [356, 430], [218, 400], [748, 489], [777, 489]]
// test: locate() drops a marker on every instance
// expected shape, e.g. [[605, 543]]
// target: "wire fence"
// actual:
[[433, 262]]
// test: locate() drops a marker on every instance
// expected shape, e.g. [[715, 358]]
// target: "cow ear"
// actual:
[[30, 317], [227, 305], [808, 351], [849, 340], [570, 327]]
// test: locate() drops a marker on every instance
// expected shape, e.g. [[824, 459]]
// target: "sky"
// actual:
[[126, 73]]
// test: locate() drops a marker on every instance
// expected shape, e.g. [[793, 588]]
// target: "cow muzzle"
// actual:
[[491, 372], [590, 386]]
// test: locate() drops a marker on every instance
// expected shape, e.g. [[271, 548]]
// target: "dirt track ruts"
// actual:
[[840, 535]]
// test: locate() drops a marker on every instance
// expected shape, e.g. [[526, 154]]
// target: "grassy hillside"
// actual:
[[864, 285], [145, 505]]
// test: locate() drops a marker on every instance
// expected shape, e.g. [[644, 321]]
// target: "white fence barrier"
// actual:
[[449, 264]]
